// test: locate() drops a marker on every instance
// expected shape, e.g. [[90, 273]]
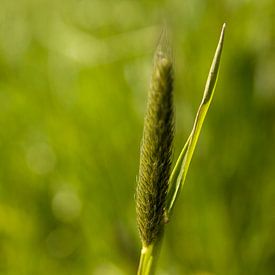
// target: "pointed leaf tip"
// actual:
[[222, 33], [214, 70]]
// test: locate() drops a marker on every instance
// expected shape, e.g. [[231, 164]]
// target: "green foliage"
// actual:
[[180, 170], [73, 82]]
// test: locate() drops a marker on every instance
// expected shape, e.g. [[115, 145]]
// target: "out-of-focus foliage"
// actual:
[[73, 85]]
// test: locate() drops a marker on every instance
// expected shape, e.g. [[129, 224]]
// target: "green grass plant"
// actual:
[[158, 188]]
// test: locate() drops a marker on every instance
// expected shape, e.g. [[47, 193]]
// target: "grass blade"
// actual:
[[180, 170]]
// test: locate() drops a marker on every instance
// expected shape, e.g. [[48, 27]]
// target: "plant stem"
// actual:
[[149, 256]]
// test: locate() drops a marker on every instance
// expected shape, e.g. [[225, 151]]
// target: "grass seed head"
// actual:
[[156, 147]]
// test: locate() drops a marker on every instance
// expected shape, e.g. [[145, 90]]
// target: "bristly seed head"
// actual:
[[156, 147]]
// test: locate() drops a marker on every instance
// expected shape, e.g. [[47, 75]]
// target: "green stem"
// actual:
[[149, 256]]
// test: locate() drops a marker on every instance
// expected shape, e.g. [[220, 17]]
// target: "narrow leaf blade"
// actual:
[[180, 170]]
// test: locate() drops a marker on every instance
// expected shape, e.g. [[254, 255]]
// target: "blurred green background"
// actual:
[[73, 86]]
